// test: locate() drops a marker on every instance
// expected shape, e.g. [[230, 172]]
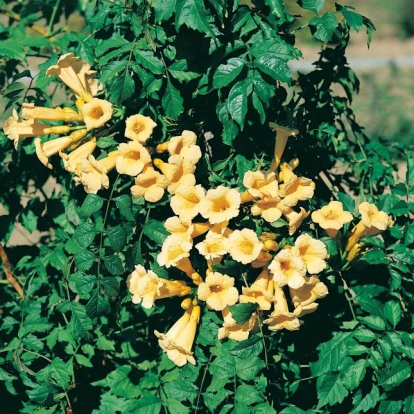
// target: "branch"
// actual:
[[9, 276]]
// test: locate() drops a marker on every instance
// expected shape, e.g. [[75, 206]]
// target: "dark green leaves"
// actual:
[[272, 65], [172, 101], [155, 231], [123, 87], [228, 72], [314, 5], [324, 26], [192, 14], [237, 101], [242, 312]]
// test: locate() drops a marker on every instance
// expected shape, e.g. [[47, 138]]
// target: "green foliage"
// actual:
[[74, 339]]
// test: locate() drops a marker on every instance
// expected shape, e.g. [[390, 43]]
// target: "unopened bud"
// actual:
[[186, 303]]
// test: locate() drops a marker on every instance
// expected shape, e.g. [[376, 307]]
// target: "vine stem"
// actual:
[[9, 275], [52, 17], [202, 383]]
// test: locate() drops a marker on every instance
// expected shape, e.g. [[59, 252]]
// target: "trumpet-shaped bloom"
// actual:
[[311, 291], [49, 148], [244, 245], [313, 252], [213, 247], [260, 292], [178, 341], [270, 209], [93, 174], [146, 287], [175, 225], [372, 223], [30, 111], [220, 204], [281, 318], [186, 200], [139, 128], [218, 291], [173, 250], [132, 159], [234, 331], [183, 145], [295, 188], [96, 113], [16, 128], [150, 184], [282, 135], [178, 171], [288, 268], [77, 75], [331, 217], [72, 160], [261, 184], [295, 218]]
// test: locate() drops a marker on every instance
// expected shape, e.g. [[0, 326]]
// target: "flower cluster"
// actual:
[[285, 280]]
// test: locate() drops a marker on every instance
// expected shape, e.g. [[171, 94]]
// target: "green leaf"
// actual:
[[228, 72], [90, 205], [97, 304], [409, 404], [179, 70], [353, 19], [122, 88], [242, 312], [172, 102], [313, 5], [155, 231], [114, 265], [148, 60], [390, 378], [331, 354], [180, 390], [222, 370], [81, 283], [374, 257], [347, 201], [393, 312], [124, 205], [237, 101], [354, 374], [29, 220], [277, 7], [325, 26], [365, 335], [368, 402], [192, 14], [122, 382], [330, 390], [390, 407], [60, 372], [250, 347], [272, 65], [213, 400], [117, 237], [82, 360], [8, 381], [80, 321], [148, 404], [247, 394], [110, 285], [115, 42], [247, 369], [163, 9], [84, 235], [374, 322], [12, 49], [84, 260], [106, 142]]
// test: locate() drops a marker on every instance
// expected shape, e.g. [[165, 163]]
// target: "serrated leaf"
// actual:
[[331, 390], [365, 335], [222, 370], [115, 42], [12, 49], [353, 19], [272, 65], [172, 102], [81, 283], [84, 260], [90, 205], [180, 390], [8, 381], [82, 360], [97, 304], [347, 201], [368, 402], [393, 312], [155, 231], [114, 265], [163, 9], [213, 400], [374, 257], [192, 14], [110, 285], [228, 72], [80, 321], [250, 347], [148, 404], [122, 88], [149, 61], [277, 7], [237, 101], [409, 404], [390, 378], [117, 237], [84, 235], [390, 407], [247, 394], [354, 374], [313, 5], [374, 322], [242, 312], [247, 369], [124, 204], [29, 221], [325, 26]]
